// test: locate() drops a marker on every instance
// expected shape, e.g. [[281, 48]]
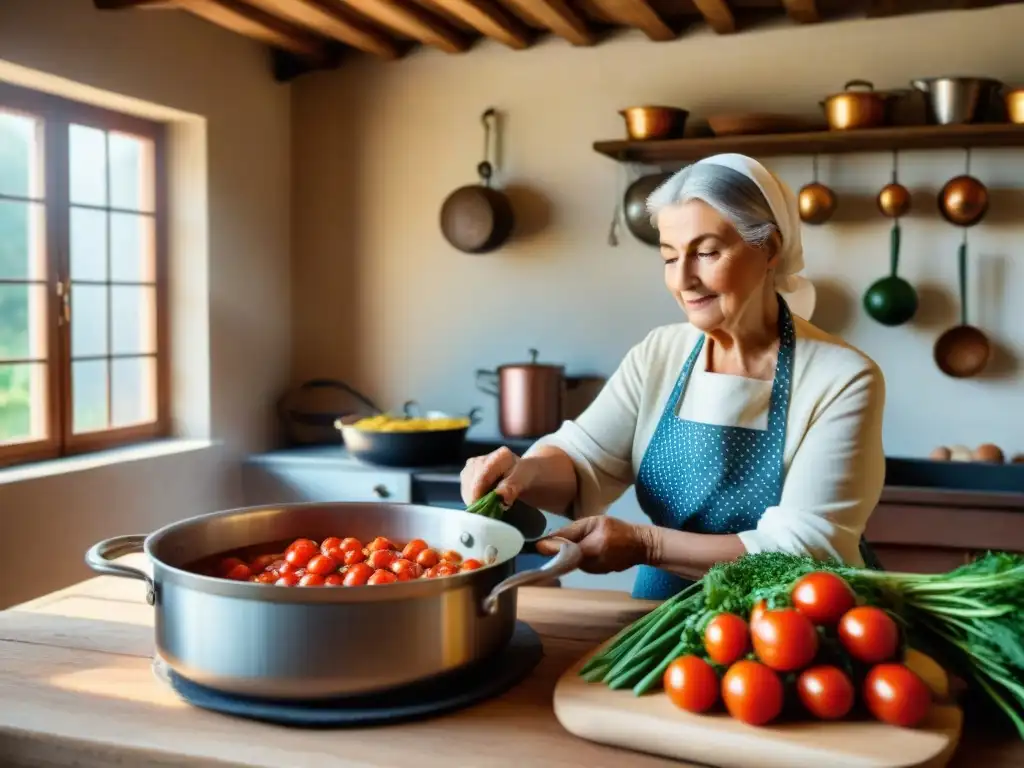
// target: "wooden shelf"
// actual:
[[820, 142]]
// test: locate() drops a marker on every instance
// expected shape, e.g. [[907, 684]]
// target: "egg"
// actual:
[[961, 453], [989, 453], [1018, 459], [942, 453]]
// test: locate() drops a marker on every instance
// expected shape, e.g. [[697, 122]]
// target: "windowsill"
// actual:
[[68, 464]]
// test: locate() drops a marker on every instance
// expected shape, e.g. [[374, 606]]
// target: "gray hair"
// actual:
[[734, 195]]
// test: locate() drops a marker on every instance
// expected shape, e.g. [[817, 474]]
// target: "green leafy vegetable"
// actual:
[[971, 619], [489, 505]]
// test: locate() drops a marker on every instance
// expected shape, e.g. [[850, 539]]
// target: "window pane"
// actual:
[[88, 244], [131, 172], [22, 322], [89, 395], [133, 319], [88, 161], [22, 402], [22, 241], [88, 320], [20, 156], [133, 391], [132, 246]]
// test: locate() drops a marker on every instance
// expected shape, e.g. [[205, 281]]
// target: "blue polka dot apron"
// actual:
[[707, 478]]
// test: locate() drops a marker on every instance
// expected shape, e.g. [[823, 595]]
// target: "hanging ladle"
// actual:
[[962, 351], [892, 300]]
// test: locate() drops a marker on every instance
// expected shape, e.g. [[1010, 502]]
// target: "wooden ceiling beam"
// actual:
[[328, 20], [718, 15], [637, 14], [258, 24], [414, 22], [561, 19], [117, 5], [491, 20], [802, 11]]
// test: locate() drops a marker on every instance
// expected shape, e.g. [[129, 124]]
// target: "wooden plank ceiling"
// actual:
[[314, 32]]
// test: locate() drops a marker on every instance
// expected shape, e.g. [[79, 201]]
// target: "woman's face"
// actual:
[[713, 273]]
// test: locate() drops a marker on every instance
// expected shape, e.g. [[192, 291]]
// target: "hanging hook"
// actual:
[[895, 166], [485, 169], [814, 167]]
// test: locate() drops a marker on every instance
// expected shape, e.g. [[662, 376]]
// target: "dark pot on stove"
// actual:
[[296, 643]]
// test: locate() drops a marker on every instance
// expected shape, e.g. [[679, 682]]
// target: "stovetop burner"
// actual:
[[437, 696]]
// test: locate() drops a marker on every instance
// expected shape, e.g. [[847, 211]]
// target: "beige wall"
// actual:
[[380, 298], [178, 61]]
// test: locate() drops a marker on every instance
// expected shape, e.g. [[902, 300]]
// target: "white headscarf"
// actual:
[[784, 208]]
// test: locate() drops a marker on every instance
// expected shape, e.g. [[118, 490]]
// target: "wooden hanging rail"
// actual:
[[921, 137]]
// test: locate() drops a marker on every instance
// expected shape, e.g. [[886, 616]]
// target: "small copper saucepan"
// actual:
[[531, 396], [651, 123], [856, 109]]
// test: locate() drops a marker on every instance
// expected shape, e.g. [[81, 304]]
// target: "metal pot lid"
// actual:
[[533, 363]]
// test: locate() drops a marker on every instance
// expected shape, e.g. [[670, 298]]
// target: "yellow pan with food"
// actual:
[[410, 440]]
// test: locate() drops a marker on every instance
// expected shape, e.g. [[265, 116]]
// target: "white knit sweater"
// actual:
[[834, 464]]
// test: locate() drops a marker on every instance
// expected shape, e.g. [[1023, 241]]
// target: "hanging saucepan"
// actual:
[[891, 300], [963, 201], [962, 351], [477, 218], [634, 206]]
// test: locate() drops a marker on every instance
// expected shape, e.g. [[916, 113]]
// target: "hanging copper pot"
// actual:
[[963, 201], [634, 207], [817, 203], [894, 200]]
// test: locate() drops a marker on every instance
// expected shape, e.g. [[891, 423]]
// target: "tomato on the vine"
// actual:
[[691, 684], [826, 692], [785, 640], [726, 638], [869, 634], [823, 597], [896, 695], [752, 692]]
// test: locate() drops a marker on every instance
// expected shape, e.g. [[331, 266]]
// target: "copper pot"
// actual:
[[531, 396], [851, 110], [643, 123], [1015, 106]]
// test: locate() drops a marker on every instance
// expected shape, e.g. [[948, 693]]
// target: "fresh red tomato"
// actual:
[[427, 558], [445, 569], [757, 612], [328, 544], [281, 567], [380, 543], [381, 558], [267, 577], [823, 597], [262, 562], [785, 640], [353, 556], [349, 544], [406, 570], [322, 565], [451, 556], [869, 634], [334, 580], [301, 551], [691, 684], [311, 580], [752, 692], [726, 638], [287, 580], [240, 572], [413, 548], [382, 577], [357, 575], [471, 564], [826, 692], [896, 695], [227, 565]]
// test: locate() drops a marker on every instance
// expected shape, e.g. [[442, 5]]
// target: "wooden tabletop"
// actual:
[[77, 689]]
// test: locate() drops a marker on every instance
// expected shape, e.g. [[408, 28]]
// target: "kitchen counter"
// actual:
[[77, 689]]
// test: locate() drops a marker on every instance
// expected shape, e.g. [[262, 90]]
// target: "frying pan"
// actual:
[[634, 207], [478, 218]]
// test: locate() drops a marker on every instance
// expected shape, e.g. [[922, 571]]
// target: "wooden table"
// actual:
[[77, 689]]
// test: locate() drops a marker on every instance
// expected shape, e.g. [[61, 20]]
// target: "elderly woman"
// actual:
[[746, 429]]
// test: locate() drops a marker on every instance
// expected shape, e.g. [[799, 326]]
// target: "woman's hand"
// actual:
[[608, 544], [502, 468]]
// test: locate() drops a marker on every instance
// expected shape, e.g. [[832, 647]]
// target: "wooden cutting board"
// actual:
[[652, 724]]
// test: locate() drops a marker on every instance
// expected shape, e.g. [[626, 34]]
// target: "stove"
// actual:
[[439, 695]]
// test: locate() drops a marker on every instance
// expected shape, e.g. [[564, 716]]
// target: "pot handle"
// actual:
[[568, 559], [487, 382], [99, 556], [861, 83]]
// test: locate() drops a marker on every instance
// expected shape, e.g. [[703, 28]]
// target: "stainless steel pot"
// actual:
[[955, 100], [318, 642]]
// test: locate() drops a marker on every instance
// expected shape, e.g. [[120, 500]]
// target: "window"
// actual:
[[83, 341]]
